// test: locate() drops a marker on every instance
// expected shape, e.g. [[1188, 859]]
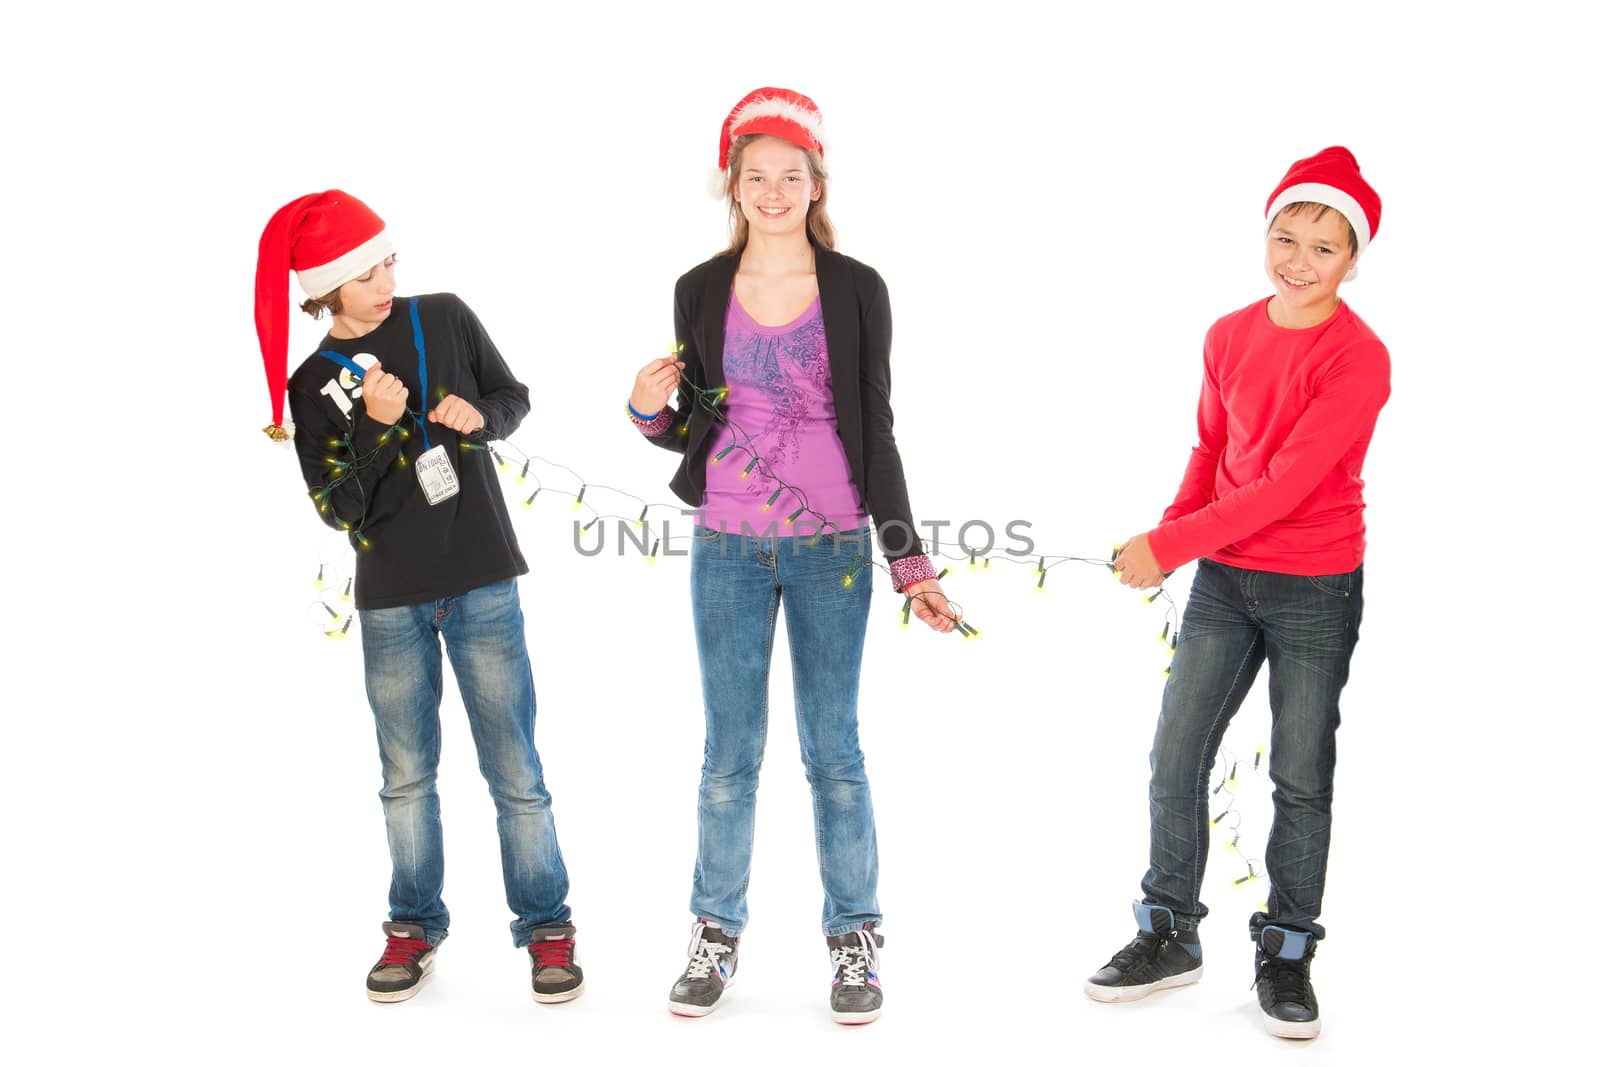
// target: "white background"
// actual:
[[1060, 202]]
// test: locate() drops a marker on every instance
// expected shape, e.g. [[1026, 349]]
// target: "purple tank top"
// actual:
[[780, 394]]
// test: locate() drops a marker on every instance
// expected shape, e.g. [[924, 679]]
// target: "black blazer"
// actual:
[[855, 319]]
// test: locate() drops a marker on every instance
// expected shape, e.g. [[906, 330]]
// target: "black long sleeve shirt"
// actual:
[[408, 551]]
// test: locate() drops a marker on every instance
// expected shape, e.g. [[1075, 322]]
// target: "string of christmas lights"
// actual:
[[517, 465], [334, 580], [344, 465], [710, 400], [1226, 772]]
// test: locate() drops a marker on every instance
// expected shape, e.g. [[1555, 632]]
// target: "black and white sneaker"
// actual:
[[1160, 957], [407, 959], [1283, 982], [857, 995], [713, 957]]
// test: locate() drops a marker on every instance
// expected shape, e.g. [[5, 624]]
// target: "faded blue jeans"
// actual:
[[482, 632], [1305, 630], [737, 584]]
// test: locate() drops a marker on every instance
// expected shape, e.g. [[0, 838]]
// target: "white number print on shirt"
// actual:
[[346, 383]]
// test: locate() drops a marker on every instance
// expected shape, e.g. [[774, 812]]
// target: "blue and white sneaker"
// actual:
[[857, 995], [713, 957]]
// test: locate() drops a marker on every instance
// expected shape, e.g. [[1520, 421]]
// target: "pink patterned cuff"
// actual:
[[652, 427], [910, 571]]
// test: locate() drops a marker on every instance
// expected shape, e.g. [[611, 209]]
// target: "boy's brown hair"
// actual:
[[1322, 209]]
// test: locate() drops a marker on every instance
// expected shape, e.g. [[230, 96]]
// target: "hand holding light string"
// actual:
[[654, 385], [385, 395], [1135, 564], [928, 603]]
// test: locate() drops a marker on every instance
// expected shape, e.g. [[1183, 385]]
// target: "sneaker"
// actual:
[[857, 995], [713, 957], [1283, 982], [553, 955], [1160, 957], [407, 960]]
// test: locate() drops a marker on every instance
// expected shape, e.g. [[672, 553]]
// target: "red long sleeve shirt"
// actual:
[[1285, 419]]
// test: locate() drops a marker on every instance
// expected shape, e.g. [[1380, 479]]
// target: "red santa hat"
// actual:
[[1331, 177], [780, 113], [327, 239]]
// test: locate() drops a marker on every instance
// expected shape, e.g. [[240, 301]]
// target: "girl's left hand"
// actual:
[[929, 604], [1136, 565]]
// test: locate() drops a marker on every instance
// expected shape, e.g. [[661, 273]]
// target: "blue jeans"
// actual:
[[482, 632], [1305, 629], [736, 586]]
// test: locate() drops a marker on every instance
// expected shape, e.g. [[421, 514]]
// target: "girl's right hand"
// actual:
[[654, 385]]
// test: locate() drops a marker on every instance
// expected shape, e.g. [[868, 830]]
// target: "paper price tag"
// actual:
[[436, 476]]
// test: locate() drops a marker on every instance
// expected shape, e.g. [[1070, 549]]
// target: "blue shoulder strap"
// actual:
[[422, 368], [358, 372]]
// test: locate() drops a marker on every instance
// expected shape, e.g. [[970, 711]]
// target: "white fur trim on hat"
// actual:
[[777, 107], [1318, 193], [318, 282]]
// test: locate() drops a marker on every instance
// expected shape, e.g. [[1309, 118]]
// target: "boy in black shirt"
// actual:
[[381, 413]]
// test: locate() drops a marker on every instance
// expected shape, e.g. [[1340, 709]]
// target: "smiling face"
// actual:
[[775, 187], [1308, 254], [366, 301]]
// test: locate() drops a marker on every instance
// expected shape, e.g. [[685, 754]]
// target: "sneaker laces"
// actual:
[[556, 953], [1138, 955], [703, 954], [851, 962], [1290, 979], [402, 951]]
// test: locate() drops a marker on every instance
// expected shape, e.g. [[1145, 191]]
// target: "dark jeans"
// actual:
[[1305, 629]]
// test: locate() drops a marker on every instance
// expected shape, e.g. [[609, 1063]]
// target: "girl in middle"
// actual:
[[783, 419]]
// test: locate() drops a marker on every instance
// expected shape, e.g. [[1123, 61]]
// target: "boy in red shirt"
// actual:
[[1271, 506]]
